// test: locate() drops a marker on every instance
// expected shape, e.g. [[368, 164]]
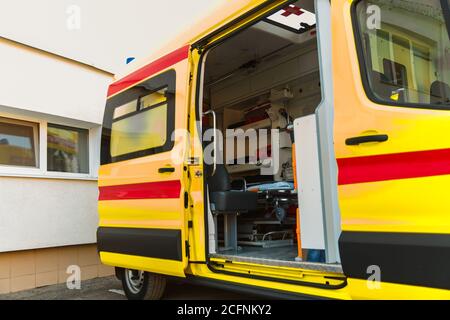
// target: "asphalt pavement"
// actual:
[[110, 288]]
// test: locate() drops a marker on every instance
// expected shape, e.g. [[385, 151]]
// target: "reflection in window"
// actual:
[[125, 109], [67, 149], [142, 127], [18, 143], [154, 99], [407, 55], [142, 131]]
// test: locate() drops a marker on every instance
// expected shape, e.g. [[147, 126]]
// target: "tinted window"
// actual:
[[140, 121], [140, 131], [405, 50]]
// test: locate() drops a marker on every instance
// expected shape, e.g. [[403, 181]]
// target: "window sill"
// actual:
[[56, 176]]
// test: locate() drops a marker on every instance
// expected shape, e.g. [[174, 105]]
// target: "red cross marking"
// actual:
[[292, 10]]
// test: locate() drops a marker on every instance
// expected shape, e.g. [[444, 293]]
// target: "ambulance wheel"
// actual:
[[141, 285]]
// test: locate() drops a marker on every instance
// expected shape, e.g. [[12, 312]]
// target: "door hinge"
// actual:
[[186, 200], [187, 247], [199, 47], [193, 161]]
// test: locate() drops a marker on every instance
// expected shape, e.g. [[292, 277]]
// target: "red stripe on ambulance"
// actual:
[[149, 190], [149, 70], [394, 166]]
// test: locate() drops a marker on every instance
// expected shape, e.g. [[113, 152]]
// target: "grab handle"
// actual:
[[366, 139], [166, 170], [213, 113]]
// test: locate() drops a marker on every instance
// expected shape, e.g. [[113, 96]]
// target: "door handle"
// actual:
[[366, 139], [166, 170]]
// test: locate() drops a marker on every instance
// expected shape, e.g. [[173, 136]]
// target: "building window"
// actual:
[[67, 149], [18, 143]]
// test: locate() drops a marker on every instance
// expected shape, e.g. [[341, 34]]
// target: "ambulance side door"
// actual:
[[392, 120], [143, 178]]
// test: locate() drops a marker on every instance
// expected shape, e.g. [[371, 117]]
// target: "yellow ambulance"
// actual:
[[286, 148]]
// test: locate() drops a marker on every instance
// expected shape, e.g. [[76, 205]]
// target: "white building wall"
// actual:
[[40, 213], [108, 31], [37, 81], [41, 209]]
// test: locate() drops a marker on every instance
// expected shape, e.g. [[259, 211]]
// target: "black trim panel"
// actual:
[[445, 4], [150, 243], [404, 258]]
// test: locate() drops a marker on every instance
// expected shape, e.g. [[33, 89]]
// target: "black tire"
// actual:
[[140, 285]]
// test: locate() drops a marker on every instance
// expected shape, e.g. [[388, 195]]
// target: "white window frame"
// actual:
[[41, 149]]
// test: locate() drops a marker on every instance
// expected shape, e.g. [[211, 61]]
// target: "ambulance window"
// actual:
[[140, 131], [404, 52], [153, 99], [125, 109], [139, 122]]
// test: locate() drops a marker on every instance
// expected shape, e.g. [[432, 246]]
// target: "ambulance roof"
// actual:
[[213, 20], [217, 18]]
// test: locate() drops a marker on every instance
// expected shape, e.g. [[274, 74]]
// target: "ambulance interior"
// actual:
[[264, 77]]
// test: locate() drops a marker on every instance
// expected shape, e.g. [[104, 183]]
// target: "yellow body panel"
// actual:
[[226, 13], [150, 213], [359, 289], [388, 213], [168, 267], [413, 205], [406, 205], [375, 206]]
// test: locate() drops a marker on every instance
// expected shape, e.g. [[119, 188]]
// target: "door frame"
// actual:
[[324, 114], [325, 126]]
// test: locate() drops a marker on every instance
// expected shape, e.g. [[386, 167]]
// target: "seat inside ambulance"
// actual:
[[263, 77]]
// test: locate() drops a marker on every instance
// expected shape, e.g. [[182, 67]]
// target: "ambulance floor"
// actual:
[[287, 253], [281, 256]]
